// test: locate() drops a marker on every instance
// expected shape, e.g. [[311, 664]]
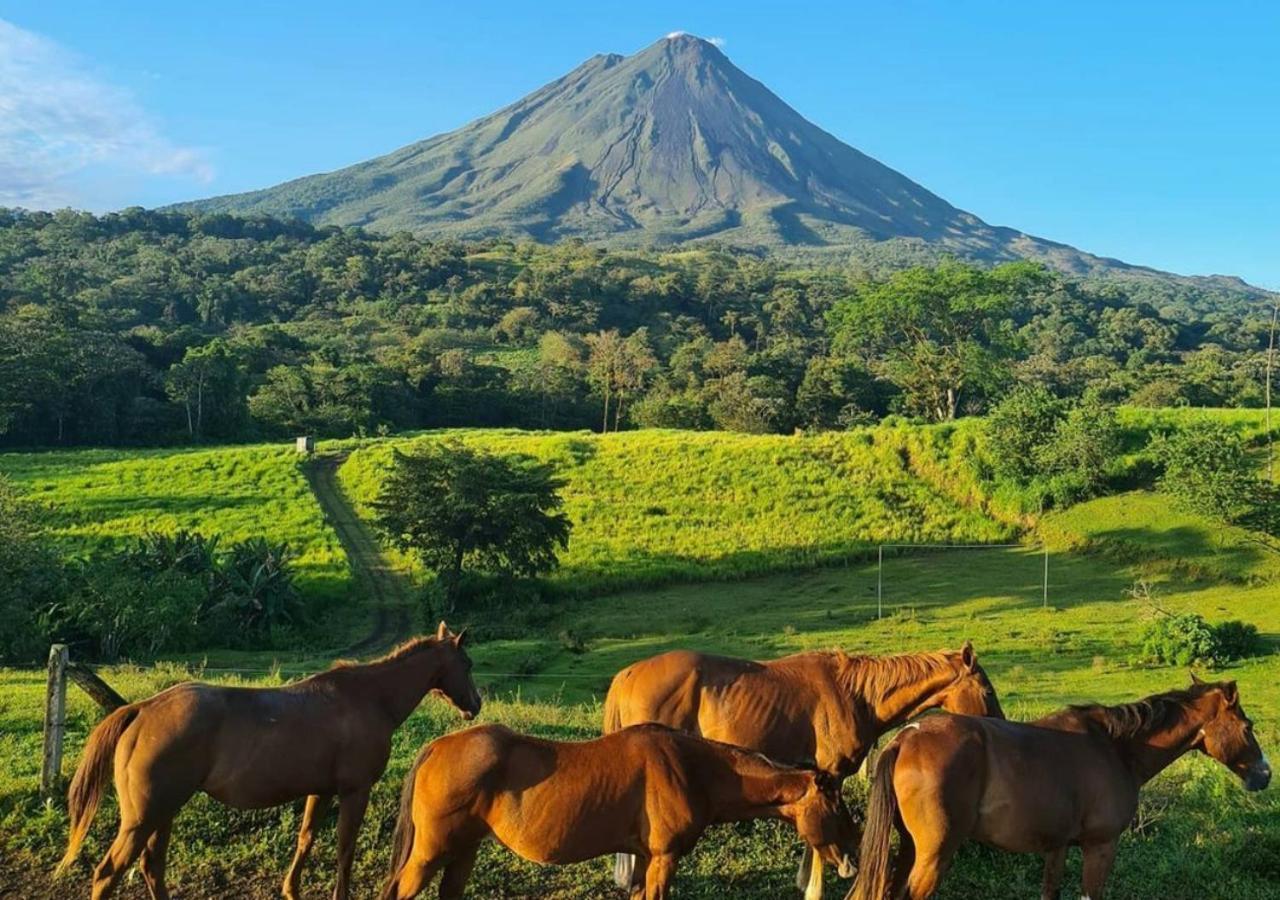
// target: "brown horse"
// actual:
[[647, 790], [327, 735], [1069, 779], [825, 709]]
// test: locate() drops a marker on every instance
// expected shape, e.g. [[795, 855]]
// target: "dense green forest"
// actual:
[[146, 327]]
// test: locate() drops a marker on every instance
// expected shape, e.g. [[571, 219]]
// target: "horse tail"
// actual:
[[882, 810], [90, 780], [402, 838], [612, 707]]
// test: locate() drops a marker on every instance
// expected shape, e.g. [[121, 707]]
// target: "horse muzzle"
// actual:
[[846, 868], [1258, 777]]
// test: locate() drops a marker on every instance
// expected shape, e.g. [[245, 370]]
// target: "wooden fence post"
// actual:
[[55, 721], [88, 681]]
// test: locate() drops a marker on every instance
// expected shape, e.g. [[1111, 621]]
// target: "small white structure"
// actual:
[[306, 444]]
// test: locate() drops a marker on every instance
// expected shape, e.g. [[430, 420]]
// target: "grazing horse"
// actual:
[[648, 790], [1069, 779], [825, 709], [327, 735]]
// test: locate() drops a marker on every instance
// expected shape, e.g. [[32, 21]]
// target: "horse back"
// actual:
[[551, 801], [771, 707]]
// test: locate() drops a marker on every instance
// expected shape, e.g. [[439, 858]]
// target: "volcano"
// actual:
[[671, 144]]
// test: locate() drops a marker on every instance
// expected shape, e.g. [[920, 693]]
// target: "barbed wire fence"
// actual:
[[61, 668]]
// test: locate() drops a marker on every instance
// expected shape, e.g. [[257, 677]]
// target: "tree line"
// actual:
[[149, 327]]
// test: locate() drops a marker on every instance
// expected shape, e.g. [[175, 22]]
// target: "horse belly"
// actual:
[[560, 831], [271, 769], [1029, 811]]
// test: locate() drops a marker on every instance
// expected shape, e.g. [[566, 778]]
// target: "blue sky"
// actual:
[[1145, 131]]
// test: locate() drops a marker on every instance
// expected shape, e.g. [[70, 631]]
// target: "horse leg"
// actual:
[[805, 872], [903, 865], [933, 852], [351, 809], [1097, 866], [457, 872], [658, 876], [311, 813], [152, 862], [639, 886], [624, 870], [1054, 862], [413, 878], [127, 847], [813, 890]]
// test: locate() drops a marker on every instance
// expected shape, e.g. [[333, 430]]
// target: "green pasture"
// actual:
[[101, 498], [755, 546], [1200, 834], [658, 507]]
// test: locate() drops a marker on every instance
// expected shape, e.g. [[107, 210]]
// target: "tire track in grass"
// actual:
[[385, 587]]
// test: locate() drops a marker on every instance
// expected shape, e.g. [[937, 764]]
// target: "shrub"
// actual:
[[1237, 640], [1178, 640], [31, 577], [1061, 451], [1018, 427], [1185, 639], [1207, 470]]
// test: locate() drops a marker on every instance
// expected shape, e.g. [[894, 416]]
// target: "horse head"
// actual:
[[455, 683], [1227, 734], [824, 823], [971, 694]]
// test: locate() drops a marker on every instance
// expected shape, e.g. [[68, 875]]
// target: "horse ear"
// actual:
[[969, 655], [1231, 693], [460, 638], [1195, 680], [442, 632]]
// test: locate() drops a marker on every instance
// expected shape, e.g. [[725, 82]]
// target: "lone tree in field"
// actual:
[[455, 506]]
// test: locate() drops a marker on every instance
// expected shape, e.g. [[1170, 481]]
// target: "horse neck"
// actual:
[[1150, 752], [397, 685], [893, 692], [755, 789]]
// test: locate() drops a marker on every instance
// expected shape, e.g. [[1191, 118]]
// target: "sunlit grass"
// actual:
[[99, 499]]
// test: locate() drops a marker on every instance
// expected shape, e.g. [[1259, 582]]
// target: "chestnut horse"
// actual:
[[1069, 779], [647, 790], [825, 709], [327, 735]]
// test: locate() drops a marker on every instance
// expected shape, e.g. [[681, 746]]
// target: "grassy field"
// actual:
[[101, 498], [729, 564], [1200, 827], [657, 507]]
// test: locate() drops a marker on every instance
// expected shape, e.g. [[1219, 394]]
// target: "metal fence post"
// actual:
[[55, 721], [1046, 576], [880, 582]]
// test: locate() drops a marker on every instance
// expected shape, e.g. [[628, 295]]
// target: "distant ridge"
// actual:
[[672, 144]]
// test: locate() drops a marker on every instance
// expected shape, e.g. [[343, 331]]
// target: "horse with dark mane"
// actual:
[[647, 790], [324, 736], [825, 709], [1071, 778]]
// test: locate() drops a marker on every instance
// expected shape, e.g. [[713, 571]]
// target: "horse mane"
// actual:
[[400, 651], [1132, 720], [877, 676]]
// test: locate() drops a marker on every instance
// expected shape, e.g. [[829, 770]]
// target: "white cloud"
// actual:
[[60, 121], [716, 41]]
